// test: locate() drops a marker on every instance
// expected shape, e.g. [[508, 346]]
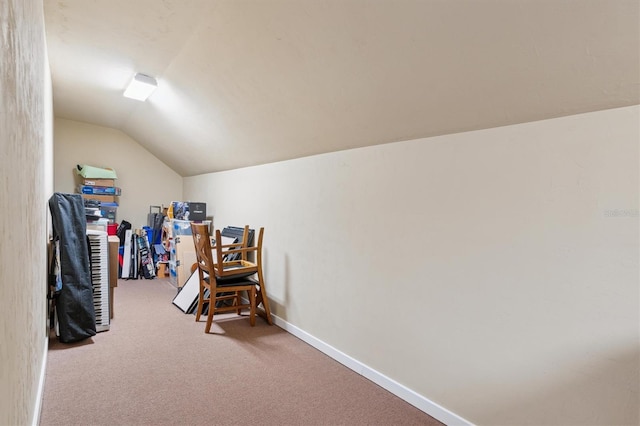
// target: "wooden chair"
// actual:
[[241, 266], [220, 290]]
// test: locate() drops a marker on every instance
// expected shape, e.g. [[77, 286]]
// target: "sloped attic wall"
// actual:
[[493, 272]]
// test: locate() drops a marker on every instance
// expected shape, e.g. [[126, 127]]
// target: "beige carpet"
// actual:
[[155, 366]]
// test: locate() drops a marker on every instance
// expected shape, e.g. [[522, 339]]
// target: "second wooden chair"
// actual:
[[220, 289], [238, 260]]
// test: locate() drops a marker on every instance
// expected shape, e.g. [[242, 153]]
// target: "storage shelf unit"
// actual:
[[182, 252]]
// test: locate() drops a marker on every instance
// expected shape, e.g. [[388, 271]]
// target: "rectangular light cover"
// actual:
[[141, 87]]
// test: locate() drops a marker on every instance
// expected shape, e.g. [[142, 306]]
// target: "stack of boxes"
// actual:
[[103, 191]]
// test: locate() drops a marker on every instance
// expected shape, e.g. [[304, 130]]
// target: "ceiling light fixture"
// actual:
[[141, 87]]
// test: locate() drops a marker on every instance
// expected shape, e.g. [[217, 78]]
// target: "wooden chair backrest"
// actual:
[[244, 265], [202, 243], [240, 247]]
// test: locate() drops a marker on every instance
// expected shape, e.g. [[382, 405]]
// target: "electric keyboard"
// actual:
[[99, 258]]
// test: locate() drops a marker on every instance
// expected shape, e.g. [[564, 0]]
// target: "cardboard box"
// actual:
[[99, 182], [197, 211]]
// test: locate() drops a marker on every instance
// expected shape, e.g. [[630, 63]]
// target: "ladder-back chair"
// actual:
[[229, 289], [233, 261]]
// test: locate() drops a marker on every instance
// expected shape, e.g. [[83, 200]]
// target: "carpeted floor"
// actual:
[[156, 366]]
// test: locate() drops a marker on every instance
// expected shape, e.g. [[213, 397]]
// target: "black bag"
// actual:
[[147, 267], [122, 231], [152, 218], [134, 258], [155, 221], [74, 301]]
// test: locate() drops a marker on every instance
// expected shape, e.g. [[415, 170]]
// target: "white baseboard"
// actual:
[[37, 409], [431, 408]]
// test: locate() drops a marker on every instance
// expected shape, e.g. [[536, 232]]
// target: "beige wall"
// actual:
[[493, 272], [25, 162], [144, 179]]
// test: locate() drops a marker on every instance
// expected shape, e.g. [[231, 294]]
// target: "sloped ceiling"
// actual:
[[245, 82]]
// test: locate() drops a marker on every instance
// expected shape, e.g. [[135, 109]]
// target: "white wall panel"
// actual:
[[25, 184]]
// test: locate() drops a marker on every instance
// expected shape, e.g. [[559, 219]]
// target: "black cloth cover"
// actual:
[[74, 303]]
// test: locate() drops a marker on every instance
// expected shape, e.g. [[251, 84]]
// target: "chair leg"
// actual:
[[236, 300], [252, 306], [200, 305], [210, 316], [262, 297]]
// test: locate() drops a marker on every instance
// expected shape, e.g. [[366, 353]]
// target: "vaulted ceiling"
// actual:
[[245, 82]]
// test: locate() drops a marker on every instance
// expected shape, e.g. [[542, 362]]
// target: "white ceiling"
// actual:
[[244, 82]]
